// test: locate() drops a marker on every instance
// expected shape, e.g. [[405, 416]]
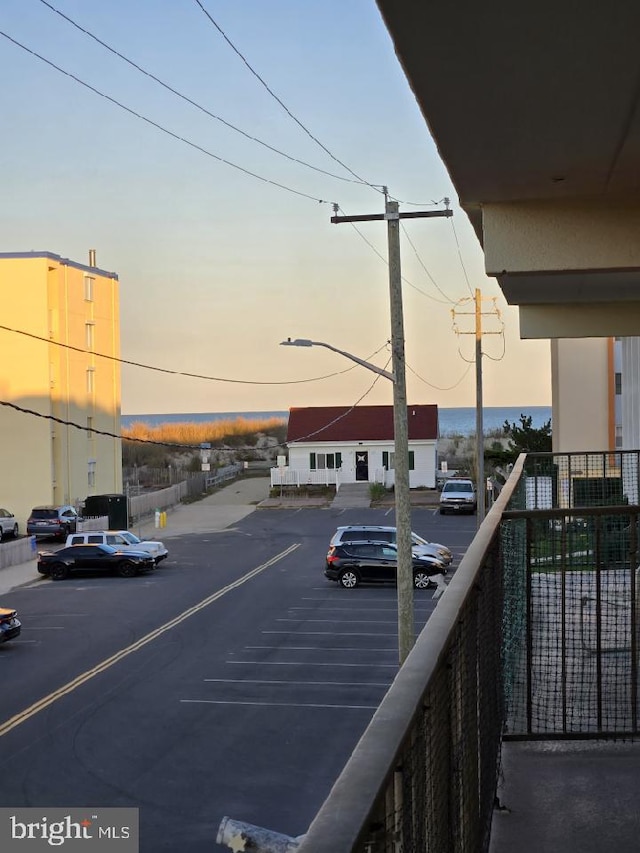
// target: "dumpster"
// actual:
[[114, 506]]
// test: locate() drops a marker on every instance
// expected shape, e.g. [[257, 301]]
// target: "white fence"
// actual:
[[325, 477], [305, 477], [142, 505], [222, 475]]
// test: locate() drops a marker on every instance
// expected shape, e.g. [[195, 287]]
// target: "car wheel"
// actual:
[[15, 531], [127, 569], [58, 572], [349, 578], [441, 511], [421, 580]]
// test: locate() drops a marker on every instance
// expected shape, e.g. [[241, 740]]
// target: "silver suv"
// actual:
[[420, 547], [458, 495], [58, 521]]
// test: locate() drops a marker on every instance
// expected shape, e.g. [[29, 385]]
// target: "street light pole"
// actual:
[[406, 636]]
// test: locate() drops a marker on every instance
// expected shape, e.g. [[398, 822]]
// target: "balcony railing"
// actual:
[[535, 637]]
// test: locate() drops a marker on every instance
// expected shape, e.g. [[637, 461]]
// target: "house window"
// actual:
[[91, 474], [89, 329], [324, 461], [389, 460], [88, 288], [91, 382], [618, 378]]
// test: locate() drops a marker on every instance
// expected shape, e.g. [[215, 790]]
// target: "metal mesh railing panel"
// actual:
[[570, 553], [440, 797]]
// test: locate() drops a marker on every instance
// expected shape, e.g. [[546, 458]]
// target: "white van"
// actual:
[[120, 539]]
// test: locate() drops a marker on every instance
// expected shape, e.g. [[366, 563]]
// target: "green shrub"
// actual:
[[377, 491]]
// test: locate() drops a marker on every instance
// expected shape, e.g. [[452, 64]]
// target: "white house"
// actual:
[[342, 444]]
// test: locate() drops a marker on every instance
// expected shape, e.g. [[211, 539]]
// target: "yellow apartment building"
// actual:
[[60, 384]]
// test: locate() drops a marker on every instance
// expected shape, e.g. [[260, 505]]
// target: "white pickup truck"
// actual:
[[120, 539]]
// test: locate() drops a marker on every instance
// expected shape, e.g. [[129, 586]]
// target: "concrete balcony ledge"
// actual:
[[568, 797]]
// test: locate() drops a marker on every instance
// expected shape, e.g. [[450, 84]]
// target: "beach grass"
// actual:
[[214, 432]]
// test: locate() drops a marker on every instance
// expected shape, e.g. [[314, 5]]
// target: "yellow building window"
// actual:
[[89, 281], [89, 329], [91, 380]]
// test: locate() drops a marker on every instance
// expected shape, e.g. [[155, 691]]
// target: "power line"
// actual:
[[421, 262], [107, 434], [92, 429], [161, 127], [376, 187], [194, 103], [437, 387], [464, 269], [384, 260], [179, 372], [348, 411]]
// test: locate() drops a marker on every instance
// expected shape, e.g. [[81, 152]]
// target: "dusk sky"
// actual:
[[223, 246]]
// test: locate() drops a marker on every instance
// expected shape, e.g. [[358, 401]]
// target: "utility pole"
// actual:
[[406, 632], [478, 314], [481, 490]]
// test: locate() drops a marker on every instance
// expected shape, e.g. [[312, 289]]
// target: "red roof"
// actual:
[[362, 423]]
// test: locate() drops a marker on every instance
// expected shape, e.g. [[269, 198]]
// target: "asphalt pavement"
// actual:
[[216, 512]]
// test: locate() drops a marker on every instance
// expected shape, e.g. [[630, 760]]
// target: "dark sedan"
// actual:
[[377, 562], [9, 624], [88, 558]]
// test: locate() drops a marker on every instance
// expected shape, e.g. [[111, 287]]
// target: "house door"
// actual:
[[362, 465]]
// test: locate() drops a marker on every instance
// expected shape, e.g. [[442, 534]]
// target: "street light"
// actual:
[[305, 342], [406, 633]]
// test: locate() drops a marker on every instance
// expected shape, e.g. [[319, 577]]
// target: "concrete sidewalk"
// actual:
[[219, 511]]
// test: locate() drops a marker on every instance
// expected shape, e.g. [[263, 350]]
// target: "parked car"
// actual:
[[123, 540], [377, 562], [10, 625], [458, 495], [59, 564], [420, 547], [58, 521], [8, 524]]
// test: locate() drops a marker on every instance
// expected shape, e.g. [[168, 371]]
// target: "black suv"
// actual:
[[376, 562]]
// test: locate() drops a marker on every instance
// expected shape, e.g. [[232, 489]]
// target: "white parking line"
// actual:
[[357, 609], [331, 633], [324, 649], [46, 701], [343, 621], [314, 683], [305, 663], [280, 704]]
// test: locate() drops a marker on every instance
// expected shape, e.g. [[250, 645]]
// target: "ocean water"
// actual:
[[455, 421]]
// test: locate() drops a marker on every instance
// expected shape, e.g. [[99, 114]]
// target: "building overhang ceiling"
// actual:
[[532, 108]]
